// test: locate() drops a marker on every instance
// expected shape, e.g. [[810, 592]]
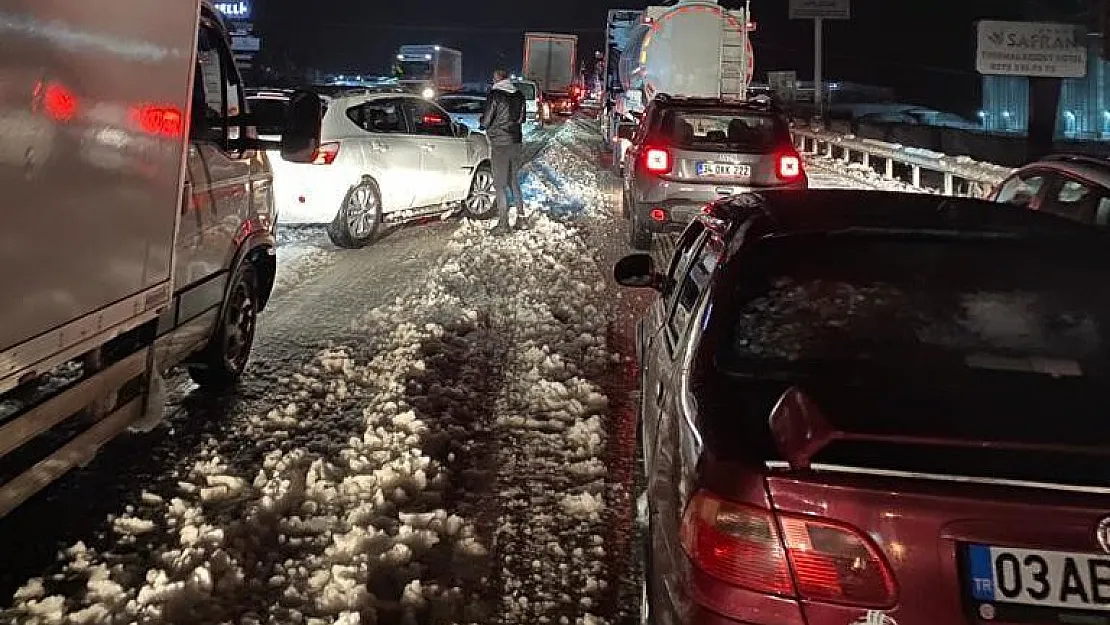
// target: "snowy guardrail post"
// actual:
[[959, 175]]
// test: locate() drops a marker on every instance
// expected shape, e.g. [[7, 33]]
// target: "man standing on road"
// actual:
[[502, 120]]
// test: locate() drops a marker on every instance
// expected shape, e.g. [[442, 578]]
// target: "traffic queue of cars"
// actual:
[[862, 407]]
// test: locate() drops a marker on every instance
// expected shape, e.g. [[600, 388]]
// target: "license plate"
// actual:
[[1049, 579], [725, 170]]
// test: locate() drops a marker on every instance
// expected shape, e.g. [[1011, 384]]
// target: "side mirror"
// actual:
[[462, 130], [637, 271], [302, 127]]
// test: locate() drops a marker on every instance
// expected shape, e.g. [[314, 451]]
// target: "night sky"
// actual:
[[924, 49]]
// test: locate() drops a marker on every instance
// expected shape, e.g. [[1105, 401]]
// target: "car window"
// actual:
[[216, 93], [684, 250], [713, 129], [381, 116], [428, 119], [1021, 190], [693, 284], [465, 106], [1073, 199]]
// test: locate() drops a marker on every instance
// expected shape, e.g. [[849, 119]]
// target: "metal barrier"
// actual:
[[950, 175]]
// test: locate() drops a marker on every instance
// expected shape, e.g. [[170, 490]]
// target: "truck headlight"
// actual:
[[428, 93]]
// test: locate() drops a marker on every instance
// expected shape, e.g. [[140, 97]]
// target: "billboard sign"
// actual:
[[237, 10], [1031, 49], [820, 9]]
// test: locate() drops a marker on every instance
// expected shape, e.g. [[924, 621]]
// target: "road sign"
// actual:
[[820, 9], [1032, 49], [785, 85], [245, 43]]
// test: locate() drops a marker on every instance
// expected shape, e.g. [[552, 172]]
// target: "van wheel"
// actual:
[[639, 237], [358, 219], [222, 362], [482, 201]]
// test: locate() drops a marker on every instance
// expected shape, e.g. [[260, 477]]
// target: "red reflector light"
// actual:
[[657, 161], [431, 119], [743, 546], [166, 121], [658, 214], [59, 103], [789, 166], [326, 154]]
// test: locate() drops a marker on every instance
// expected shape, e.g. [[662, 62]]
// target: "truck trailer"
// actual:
[[138, 226], [695, 48], [429, 70], [551, 61]]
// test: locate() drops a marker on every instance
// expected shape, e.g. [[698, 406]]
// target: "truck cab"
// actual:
[[429, 70]]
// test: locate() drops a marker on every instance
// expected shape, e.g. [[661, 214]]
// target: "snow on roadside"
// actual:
[[563, 180], [334, 504], [302, 252]]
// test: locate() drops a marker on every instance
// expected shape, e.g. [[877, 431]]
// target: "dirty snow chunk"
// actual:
[[348, 618], [131, 526], [33, 589], [583, 506], [48, 611]]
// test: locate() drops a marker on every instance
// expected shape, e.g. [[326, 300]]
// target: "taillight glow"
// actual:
[[809, 558], [58, 102], [166, 121], [658, 215], [789, 166], [657, 160], [326, 154], [431, 119]]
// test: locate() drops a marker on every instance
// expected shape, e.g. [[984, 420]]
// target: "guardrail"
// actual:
[[921, 168]]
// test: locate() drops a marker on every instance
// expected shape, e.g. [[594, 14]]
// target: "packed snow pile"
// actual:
[[302, 252], [450, 470], [564, 180], [860, 174]]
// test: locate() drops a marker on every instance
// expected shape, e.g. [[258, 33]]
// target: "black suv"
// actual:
[[689, 152]]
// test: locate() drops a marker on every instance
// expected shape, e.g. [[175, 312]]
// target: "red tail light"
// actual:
[[657, 160], [326, 154], [431, 119], [755, 549], [789, 166], [159, 120], [58, 102]]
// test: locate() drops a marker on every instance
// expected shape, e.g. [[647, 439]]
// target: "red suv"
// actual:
[[876, 408]]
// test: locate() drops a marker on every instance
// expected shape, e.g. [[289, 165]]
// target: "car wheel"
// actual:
[[358, 218], [222, 362], [482, 201], [639, 237]]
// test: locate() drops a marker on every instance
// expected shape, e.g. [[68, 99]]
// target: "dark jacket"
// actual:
[[503, 116]]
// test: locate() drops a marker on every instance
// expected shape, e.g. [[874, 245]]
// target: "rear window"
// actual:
[[462, 105], [715, 130], [528, 89], [907, 305], [269, 115]]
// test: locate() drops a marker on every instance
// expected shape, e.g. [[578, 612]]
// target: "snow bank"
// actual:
[[860, 175], [564, 180]]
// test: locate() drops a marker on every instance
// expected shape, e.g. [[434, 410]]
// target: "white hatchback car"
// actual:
[[385, 158]]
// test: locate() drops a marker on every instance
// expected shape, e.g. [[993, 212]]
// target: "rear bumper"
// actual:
[[681, 208]]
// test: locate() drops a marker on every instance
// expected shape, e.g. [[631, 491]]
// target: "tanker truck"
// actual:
[[694, 48]]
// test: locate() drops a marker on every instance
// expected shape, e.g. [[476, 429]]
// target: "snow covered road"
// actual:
[[435, 429]]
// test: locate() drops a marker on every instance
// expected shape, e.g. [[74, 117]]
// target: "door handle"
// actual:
[[660, 390], [427, 148], [378, 146]]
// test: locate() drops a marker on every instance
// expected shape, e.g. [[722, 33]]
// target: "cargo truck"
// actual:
[[429, 70], [137, 230], [694, 48], [551, 61]]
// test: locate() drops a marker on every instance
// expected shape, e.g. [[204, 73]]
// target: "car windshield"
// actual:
[[528, 89], [269, 115], [918, 305], [414, 70], [463, 106], [715, 129]]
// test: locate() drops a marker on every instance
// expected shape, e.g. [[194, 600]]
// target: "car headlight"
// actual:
[[428, 93]]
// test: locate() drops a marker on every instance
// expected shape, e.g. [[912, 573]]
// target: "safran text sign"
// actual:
[[1033, 49]]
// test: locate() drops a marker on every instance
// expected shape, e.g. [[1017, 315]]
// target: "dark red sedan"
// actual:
[[867, 408]]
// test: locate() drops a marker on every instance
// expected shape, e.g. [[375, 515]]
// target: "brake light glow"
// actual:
[[657, 160], [58, 102], [808, 558], [658, 215], [431, 119], [326, 154], [166, 121], [789, 166]]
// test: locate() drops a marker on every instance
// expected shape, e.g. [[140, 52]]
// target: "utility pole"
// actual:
[[818, 69]]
